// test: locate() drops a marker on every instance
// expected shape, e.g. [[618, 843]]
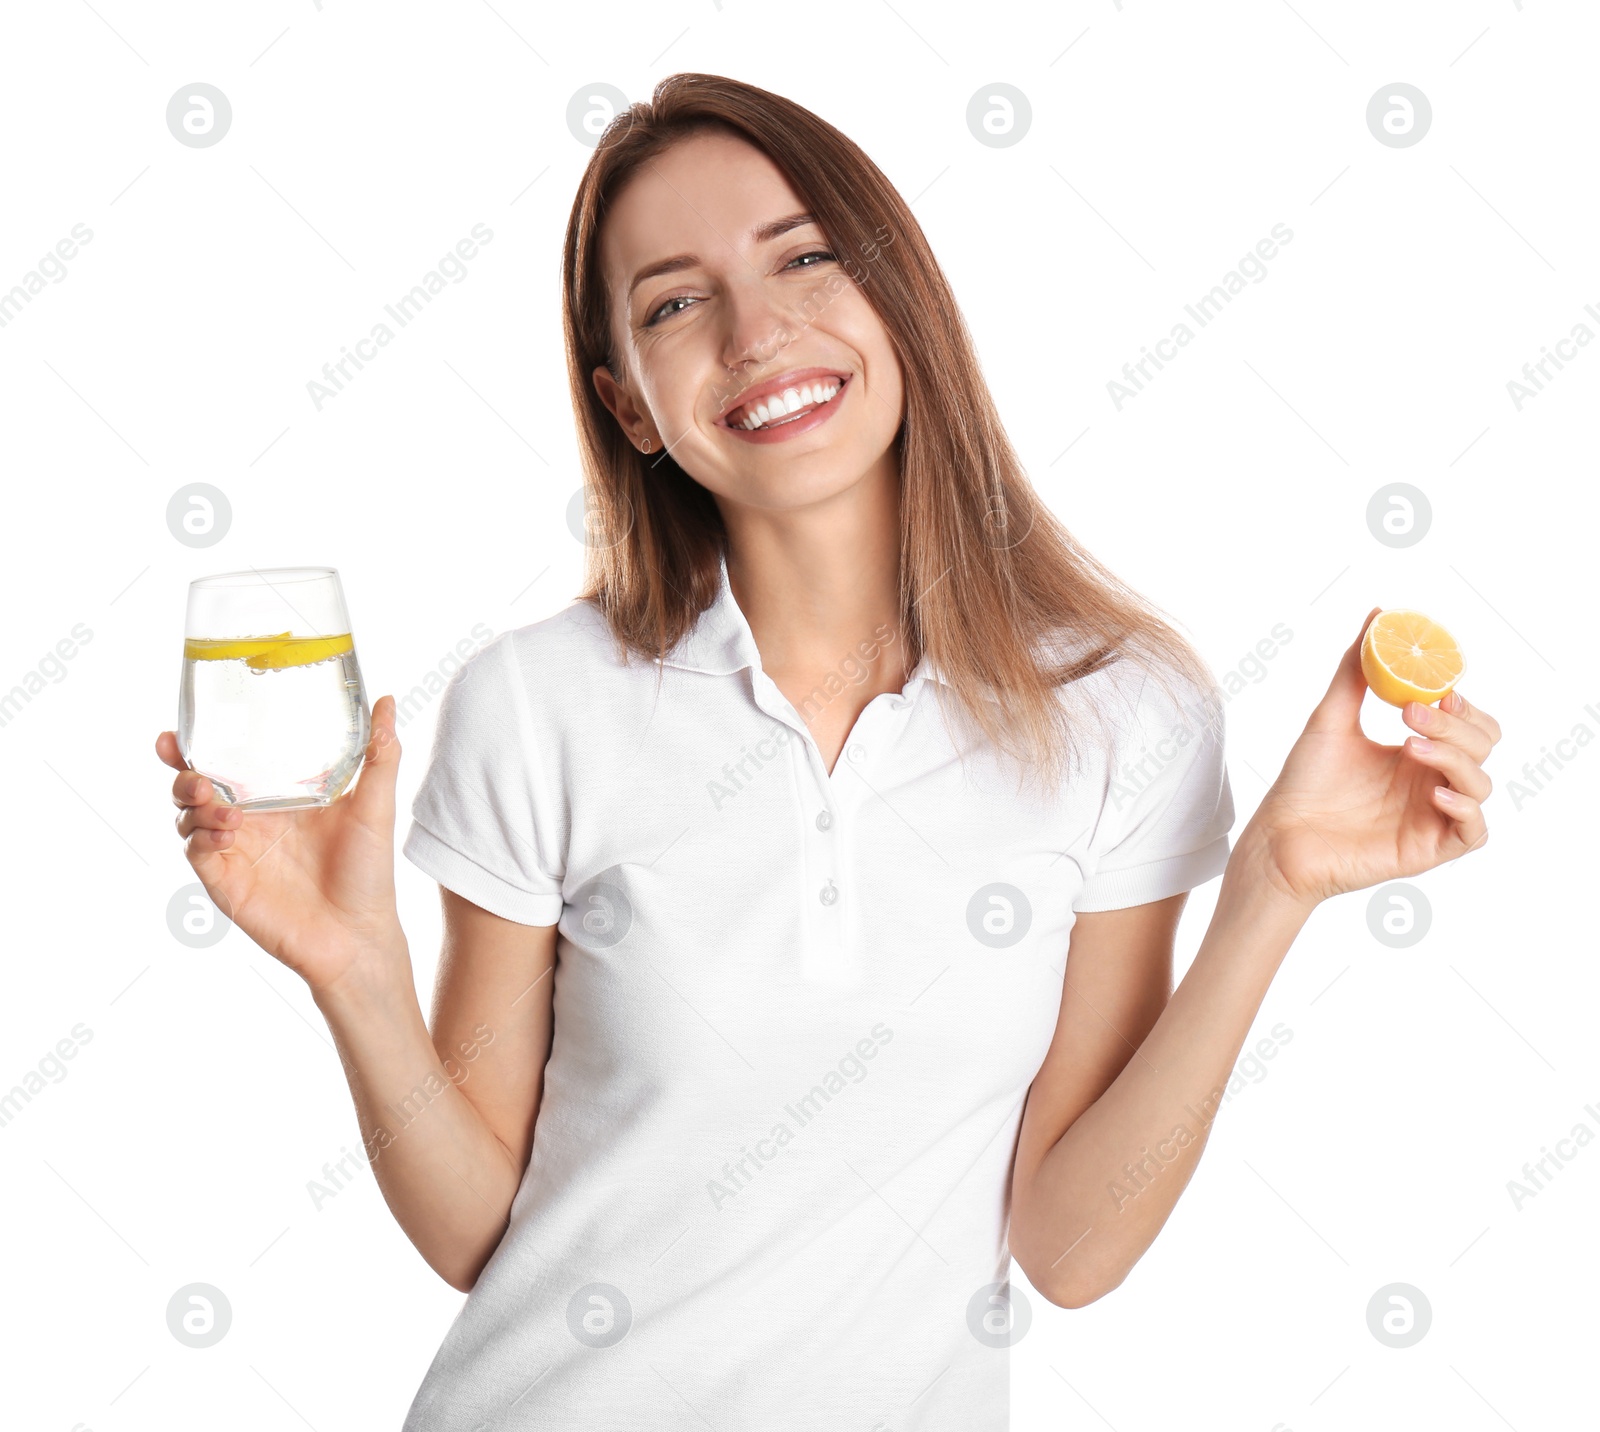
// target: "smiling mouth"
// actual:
[[789, 406]]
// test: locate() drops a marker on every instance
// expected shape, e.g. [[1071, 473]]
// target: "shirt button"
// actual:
[[824, 820], [857, 753], [829, 893]]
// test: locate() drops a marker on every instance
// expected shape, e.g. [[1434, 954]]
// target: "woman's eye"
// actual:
[[822, 254], [667, 310]]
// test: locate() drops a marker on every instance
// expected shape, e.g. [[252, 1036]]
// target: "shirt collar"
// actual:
[[721, 642]]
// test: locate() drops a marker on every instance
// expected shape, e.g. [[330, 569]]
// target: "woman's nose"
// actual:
[[760, 323]]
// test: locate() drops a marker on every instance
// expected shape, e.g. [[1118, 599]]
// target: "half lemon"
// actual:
[[1406, 656]]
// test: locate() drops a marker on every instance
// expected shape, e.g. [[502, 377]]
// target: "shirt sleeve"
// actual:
[[1168, 805], [483, 821]]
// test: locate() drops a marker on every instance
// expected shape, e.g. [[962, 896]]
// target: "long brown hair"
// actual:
[[993, 588]]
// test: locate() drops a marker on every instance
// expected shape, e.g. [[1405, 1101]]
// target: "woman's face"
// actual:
[[724, 298]]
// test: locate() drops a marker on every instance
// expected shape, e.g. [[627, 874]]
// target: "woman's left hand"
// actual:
[[1347, 812]]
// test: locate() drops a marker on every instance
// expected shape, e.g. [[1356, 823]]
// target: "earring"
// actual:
[[646, 447]]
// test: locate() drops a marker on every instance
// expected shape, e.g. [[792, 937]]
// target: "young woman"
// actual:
[[810, 883]]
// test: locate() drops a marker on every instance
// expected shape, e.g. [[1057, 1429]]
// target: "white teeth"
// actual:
[[791, 400]]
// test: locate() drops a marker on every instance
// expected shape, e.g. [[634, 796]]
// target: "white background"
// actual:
[[1166, 141]]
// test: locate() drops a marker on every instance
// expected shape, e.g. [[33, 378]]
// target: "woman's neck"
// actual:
[[820, 588], [816, 582]]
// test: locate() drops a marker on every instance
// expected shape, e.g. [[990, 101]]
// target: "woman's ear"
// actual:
[[620, 404]]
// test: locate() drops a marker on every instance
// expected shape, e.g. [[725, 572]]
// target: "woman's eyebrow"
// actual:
[[761, 234]]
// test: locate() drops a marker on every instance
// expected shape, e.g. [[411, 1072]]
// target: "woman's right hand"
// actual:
[[314, 887]]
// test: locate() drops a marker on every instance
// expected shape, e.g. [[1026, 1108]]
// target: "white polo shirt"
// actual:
[[796, 1018]]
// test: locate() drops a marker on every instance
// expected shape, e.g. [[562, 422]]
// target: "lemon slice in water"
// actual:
[[268, 653]]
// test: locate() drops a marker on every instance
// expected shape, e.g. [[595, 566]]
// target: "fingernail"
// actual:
[[1445, 794], [1421, 743], [1424, 713]]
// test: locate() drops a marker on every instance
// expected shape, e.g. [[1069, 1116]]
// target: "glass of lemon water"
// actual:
[[272, 708]]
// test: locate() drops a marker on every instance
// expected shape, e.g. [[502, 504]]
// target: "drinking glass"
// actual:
[[272, 708]]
